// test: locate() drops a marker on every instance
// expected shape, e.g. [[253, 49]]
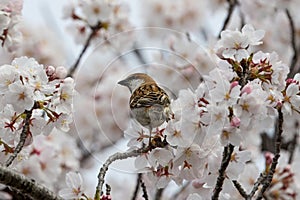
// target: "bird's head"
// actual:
[[134, 81]]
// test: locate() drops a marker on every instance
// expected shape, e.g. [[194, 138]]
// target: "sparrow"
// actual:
[[149, 104]]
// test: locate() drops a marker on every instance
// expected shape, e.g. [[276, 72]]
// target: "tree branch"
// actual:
[[232, 4], [225, 162], [292, 147], [257, 183], [139, 55], [293, 43], [137, 186], [241, 190], [94, 29], [159, 193], [110, 160], [145, 194], [25, 185], [267, 181], [23, 136]]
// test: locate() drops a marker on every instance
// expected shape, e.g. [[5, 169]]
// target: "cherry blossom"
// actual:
[[27, 87], [291, 99], [234, 44], [10, 13], [222, 110], [75, 189], [234, 99], [47, 156], [174, 14], [100, 18]]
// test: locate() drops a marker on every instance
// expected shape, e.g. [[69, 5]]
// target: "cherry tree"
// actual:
[[231, 71]]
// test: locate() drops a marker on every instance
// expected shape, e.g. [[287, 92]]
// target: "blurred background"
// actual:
[[173, 41]]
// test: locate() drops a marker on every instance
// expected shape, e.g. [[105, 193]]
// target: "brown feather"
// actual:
[[148, 95]]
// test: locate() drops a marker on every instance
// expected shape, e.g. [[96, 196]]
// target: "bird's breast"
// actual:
[[152, 116]]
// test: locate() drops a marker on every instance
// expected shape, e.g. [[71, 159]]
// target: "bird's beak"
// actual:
[[123, 82]]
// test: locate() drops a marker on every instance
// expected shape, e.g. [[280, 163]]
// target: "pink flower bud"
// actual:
[[197, 183], [247, 89], [269, 158], [279, 104], [287, 169], [290, 80], [106, 197], [235, 122], [233, 84]]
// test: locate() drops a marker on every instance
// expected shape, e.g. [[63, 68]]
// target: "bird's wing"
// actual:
[[148, 95]]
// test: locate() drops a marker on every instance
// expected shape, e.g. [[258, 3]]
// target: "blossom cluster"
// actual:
[[236, 102], [49, 156], [74, 189], [30, 90], [42, 44], [177, 15], [181, 63], [104, 18], [235, 93], [10, 14]]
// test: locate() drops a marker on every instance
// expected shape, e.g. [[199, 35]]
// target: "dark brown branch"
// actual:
[[232, 4], [23, 136], [257, 184], [267, 181], [268, 142], [292, 147], [225, 162], [94, 29], [293, 43], [144, 189], [241, 190], [25, 185], [16, 194], [137, 186], [139, 55], [159, 193], [111, 159]]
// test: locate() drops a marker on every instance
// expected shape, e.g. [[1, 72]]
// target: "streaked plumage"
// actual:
[[149, 104]]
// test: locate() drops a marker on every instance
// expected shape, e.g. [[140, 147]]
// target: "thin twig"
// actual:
[[232, 4], [110, 160], [23, 136], [108, 190], [159, 193], [267, 181], [144, 189], [292, 147], [225, 162], [240, 188], [94, 29], [293, 43], [257, 183], [25, 185], [137, 186], [139, 55]]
